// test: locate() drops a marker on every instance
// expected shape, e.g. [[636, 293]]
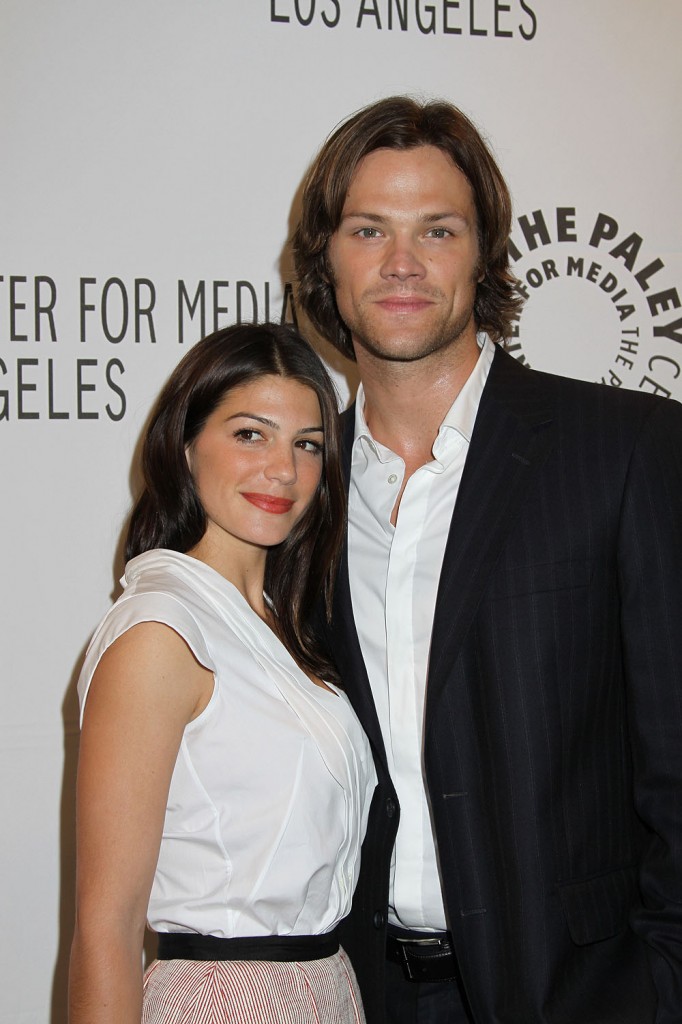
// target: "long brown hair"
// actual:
[[401, 122], [299, 571]]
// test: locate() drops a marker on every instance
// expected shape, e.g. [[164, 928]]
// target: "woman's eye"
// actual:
[[308, 445], [368, 233], [247, 434], [438, 233]]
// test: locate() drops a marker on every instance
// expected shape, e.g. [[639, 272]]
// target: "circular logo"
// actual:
[[597, 306]]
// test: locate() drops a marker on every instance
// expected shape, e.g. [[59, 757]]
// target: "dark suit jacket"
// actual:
[[553, 734]]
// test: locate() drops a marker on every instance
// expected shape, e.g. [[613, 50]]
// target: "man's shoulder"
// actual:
[[568, 394]]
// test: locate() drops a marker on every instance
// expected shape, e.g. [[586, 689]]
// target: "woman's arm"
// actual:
[[145, 690]]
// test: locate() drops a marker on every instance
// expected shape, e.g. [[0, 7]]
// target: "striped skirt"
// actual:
[[252, 992]]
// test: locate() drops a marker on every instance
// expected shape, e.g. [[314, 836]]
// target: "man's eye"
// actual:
[[368, 233], [438, 233]]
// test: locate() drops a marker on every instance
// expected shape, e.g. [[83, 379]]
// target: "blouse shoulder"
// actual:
[[153, 593]]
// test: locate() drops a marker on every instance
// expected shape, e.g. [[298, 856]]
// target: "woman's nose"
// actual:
[[281, 463]]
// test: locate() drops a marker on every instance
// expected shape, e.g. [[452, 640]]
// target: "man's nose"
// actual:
[[402, 260]]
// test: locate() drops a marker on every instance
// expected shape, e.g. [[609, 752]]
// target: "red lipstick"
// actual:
[[268, 502]]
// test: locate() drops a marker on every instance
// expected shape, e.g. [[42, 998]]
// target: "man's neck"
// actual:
[[406, 402]]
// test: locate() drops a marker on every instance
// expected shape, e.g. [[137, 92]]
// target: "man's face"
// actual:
[[404, 259]]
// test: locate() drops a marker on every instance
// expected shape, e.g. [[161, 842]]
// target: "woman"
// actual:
[[223, 781]]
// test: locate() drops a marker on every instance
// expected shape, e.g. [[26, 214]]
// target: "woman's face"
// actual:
[[257, 462]]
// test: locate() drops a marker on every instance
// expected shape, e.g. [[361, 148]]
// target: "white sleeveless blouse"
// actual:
[[271, 789]]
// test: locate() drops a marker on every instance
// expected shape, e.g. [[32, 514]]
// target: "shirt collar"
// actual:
[[461, 416]]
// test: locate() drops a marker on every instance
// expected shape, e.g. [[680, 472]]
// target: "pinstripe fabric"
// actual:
[[252, 992], [553, 727]]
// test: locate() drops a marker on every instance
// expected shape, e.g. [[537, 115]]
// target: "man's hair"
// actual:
[[169, 513], [401, 122]]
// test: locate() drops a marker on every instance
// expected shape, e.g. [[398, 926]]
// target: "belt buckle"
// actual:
[[407, 960]]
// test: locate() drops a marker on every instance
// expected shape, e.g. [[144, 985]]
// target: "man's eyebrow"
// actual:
[[427, 218], [271, 423], [377, 218], [431, 218]]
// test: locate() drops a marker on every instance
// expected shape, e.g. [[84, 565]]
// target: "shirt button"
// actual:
[[392, 478], [379, 919], [390, 807]]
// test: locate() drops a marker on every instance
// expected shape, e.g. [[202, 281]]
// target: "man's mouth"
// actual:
[[404, 303]]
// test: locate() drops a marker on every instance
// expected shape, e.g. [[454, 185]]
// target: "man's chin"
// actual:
[[406, 349]]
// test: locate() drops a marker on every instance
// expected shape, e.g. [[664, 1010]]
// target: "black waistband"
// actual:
[[190, 946]]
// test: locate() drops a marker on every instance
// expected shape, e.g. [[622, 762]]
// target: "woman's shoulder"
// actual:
[[162, 571], [156, 591]]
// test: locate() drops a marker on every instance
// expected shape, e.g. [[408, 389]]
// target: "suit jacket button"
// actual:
[[379, 919], [390, 807]]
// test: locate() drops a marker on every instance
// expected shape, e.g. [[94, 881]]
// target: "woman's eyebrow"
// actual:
[[271, 423]]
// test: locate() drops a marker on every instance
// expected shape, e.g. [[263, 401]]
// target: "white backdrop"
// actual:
[[152, 155]]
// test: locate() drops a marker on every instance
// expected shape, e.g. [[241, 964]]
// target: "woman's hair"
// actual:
[[401, 122], [299, 571]]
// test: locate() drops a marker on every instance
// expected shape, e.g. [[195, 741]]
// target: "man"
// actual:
[[508, 620]]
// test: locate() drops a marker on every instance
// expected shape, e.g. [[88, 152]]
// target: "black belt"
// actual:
[[428, 958], [280, 948]]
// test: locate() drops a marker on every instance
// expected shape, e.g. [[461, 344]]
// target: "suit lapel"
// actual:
[[511, 439], [345, 638]]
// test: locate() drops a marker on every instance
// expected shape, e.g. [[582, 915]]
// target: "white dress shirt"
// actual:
[[270, 793], [394, 575]]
